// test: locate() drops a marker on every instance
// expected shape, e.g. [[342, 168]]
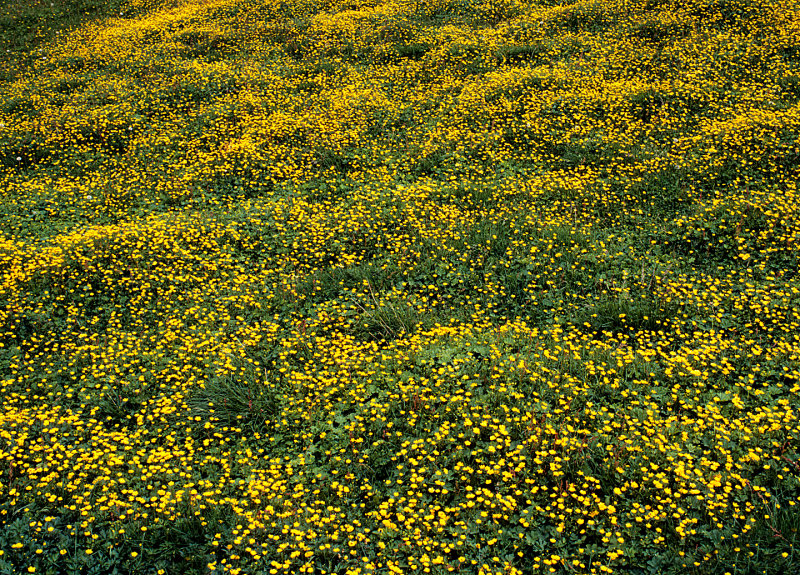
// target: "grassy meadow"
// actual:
[[399, 286]]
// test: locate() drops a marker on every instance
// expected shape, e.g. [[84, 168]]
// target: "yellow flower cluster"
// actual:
[[364, 286]]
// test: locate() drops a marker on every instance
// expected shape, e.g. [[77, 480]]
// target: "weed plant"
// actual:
[[395, 286]]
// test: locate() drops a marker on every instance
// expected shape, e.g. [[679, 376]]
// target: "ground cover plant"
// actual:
[[403, 286]]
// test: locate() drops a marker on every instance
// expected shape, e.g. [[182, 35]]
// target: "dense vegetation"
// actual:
[[356, 286]]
